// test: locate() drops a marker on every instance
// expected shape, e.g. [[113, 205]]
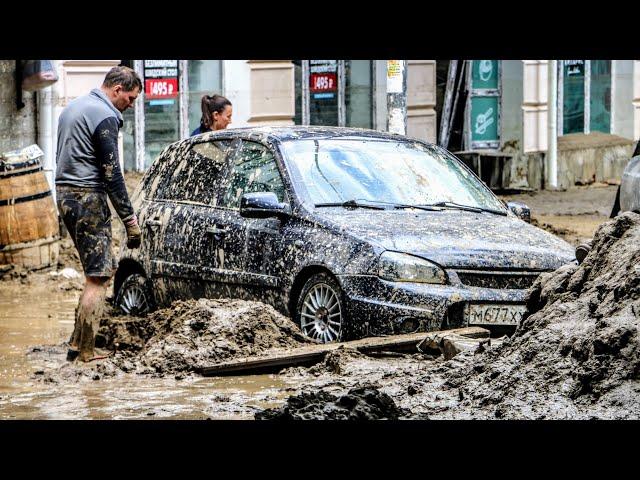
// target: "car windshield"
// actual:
[[333, 171]]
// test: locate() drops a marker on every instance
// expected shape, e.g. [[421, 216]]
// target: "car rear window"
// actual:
[[191, 176]]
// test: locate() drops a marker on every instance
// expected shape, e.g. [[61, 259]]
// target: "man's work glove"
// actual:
[[133, 231]]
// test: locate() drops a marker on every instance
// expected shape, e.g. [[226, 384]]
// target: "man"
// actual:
[[88, 171]]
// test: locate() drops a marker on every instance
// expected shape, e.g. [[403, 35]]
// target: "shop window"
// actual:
[[323, 92], [161, 106], [334, 93], [573, 96], [358, 93], [585, 90], [205, 78], [600, 98]]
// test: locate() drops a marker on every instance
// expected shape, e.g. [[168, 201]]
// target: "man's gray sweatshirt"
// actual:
[[87, 153]]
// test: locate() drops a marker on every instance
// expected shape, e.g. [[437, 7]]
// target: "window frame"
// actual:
[[227, 173]]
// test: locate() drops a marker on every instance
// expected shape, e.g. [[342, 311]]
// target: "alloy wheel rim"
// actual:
[[321, 316], [134, 300]]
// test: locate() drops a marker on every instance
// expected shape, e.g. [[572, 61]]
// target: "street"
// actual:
[[36, 382]]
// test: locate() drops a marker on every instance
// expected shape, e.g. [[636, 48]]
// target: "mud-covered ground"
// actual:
[[573, 214], [575, 357]]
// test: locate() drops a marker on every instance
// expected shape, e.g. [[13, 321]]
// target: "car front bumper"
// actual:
[[379, 307]]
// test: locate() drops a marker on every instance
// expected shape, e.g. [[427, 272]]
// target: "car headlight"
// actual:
[[400, 267]]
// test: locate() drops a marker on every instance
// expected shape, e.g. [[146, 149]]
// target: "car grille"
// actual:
[[501, 280]]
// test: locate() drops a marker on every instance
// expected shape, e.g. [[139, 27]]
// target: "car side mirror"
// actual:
[[262, 205], [521, 210]]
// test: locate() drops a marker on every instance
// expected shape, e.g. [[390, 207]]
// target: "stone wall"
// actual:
[[595, 157], [18, 128]]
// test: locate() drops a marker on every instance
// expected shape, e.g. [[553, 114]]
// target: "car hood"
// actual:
[[456, 238]]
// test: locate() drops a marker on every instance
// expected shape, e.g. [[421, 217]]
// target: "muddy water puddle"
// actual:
[[38, 315]]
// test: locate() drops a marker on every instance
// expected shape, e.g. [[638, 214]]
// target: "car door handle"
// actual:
[[153, 223], [216, 231]]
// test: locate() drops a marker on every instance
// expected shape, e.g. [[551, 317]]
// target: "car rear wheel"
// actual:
[[320, 311], [134, 296]]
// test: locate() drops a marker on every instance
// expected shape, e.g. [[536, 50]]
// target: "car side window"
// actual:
[[196, 176], [253, 169]]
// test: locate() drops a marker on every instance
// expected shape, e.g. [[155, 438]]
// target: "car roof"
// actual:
[[297, 132]]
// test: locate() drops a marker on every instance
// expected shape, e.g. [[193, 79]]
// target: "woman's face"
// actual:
[[221, 120]]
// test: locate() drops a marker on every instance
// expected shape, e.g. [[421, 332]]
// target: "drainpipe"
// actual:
[[397, 96], [139, 120], [45, 134], [552, 124]]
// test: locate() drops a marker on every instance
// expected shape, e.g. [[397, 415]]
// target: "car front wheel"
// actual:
[[134, 296], [320, 311]]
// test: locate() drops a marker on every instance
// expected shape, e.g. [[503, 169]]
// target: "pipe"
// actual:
[[45, 135], [552, 124]]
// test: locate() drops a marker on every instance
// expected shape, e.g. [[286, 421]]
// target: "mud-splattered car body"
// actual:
[[197, 244]]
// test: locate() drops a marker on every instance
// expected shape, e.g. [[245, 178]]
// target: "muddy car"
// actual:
[[351, 232]]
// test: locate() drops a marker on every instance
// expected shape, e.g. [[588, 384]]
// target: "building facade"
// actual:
[[595, 106], [503, 107]]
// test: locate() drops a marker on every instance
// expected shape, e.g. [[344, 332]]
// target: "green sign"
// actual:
[[484, 119], [484, 74]]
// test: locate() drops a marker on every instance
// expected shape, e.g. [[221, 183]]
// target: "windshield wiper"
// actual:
[[467, 208], [350, 204], [429, 208]]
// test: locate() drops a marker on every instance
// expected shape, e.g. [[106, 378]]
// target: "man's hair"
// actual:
[[125, 76]]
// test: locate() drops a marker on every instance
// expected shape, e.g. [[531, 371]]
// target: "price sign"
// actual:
[[161, 88], [323, 82]]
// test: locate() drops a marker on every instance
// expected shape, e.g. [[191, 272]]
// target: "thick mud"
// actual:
[[181, 339]]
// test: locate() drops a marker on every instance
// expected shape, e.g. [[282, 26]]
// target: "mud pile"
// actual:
[[177, 340], [577, 354], [193, 334], [362, 403]]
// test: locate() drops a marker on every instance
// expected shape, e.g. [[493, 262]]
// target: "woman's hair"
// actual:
[[210, 104]]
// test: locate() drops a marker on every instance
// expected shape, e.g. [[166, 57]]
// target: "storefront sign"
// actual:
[[323, 66], [484, 119], [323, 82], [484, 74], [573, 68], [484, 105], [160, 68], [160, 88]]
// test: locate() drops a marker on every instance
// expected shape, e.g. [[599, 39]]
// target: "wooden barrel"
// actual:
[[29, 231]]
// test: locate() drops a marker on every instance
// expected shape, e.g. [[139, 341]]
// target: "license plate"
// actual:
[[494, 314]]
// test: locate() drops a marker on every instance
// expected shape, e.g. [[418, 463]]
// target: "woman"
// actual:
[[216, 114]]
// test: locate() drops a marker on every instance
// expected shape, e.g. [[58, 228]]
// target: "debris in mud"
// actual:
[[336, 361], [361, 403]]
